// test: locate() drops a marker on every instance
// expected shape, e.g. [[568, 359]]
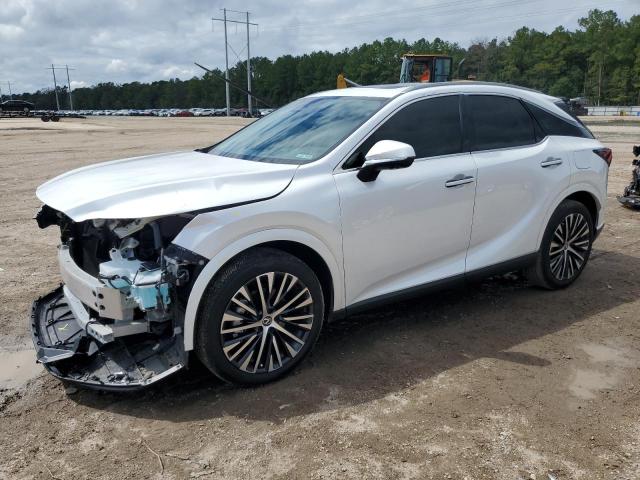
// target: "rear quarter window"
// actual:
[[554, 125]]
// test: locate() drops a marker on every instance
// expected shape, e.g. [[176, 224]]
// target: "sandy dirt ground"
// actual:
[[495, 380]]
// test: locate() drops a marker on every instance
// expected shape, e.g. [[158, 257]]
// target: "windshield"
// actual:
[[300, 132]]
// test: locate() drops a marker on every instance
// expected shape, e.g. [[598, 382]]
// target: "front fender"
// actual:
[[253, 240]]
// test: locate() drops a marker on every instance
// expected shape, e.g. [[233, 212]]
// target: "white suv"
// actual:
[[334, 203]]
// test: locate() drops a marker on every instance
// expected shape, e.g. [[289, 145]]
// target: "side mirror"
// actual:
[[386, 155]]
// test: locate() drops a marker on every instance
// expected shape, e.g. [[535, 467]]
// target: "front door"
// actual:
[[410, 226]]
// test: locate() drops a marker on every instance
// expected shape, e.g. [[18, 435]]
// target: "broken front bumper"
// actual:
[[69, 352]]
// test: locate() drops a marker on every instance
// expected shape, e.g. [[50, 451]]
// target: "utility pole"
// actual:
[[600, 81], [226, 56], [55, 83], [10, 94], [69, 88], [585, 88], [226, 65], [248, 70]]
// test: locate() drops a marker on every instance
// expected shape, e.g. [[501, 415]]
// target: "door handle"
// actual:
[[550, 162], [458, 180]]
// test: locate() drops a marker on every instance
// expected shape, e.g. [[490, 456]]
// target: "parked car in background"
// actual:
[[171, 112], [335, 203], [17, 106], [205, 112]]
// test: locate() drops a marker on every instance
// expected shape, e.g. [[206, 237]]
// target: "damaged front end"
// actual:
[[117, 321]]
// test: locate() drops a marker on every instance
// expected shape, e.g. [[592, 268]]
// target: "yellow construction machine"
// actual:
[[416, 67]]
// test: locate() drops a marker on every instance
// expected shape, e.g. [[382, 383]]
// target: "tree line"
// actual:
[[600, 61]]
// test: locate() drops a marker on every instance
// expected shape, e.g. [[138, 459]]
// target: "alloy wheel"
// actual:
[[569, 246], [267, 322]]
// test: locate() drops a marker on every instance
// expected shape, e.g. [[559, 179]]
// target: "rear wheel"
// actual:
[[566, 247], [260, 317]]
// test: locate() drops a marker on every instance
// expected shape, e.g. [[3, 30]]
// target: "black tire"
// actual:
[[553, 270], [250, 271]]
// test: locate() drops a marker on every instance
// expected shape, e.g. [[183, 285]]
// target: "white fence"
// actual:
[[601, 111]]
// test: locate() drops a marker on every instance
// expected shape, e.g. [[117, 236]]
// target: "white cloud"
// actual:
[[10, 32], [78, 84], [177, 72], [116, 66]]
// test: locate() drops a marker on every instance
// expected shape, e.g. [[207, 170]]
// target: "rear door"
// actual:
[[520, 174]]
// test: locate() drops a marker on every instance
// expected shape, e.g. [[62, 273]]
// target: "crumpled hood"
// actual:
[[165, 184]]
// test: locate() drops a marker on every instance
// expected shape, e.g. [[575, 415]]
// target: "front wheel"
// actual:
[[566, 247], [259, 317]]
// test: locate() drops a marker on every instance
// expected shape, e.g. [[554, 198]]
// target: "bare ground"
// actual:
[[497, 380]]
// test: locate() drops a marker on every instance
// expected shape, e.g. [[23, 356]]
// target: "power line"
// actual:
[[406, 12], [459, 7], [233, 84], [476, 21], [236, 53]]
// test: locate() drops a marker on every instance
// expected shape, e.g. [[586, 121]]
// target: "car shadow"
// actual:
[[372, 355]]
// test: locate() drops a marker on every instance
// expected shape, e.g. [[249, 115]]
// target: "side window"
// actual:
[[553, 125], [499, 122], [431, 127]]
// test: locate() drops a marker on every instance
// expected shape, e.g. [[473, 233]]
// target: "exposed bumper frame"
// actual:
[[108, 301]]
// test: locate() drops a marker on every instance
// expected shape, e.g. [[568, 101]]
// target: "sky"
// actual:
[[146, 40]]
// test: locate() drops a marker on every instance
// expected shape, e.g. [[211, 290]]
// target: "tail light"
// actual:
[[604, 153]]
